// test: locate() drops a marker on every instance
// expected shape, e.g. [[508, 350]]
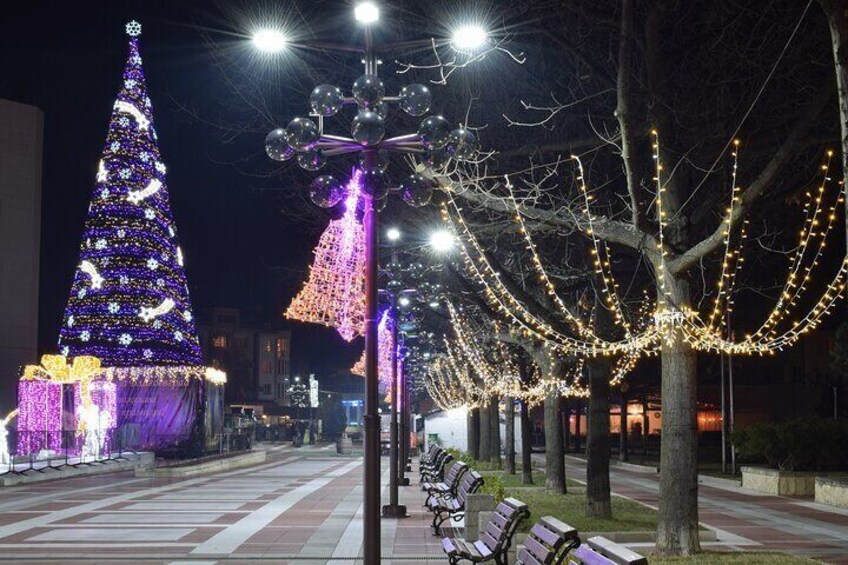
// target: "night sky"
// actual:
[[241, 249]]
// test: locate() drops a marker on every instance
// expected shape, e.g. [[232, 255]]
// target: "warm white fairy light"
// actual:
[[89, 269], [136, 196], [147, 313], [127, 108]]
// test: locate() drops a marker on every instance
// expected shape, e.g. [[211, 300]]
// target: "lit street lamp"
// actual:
[[435, 141]]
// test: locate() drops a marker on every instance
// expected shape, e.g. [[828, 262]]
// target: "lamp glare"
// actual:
[[469, 38], [366, 13], [441, 241], [269, 40], [393, 234]]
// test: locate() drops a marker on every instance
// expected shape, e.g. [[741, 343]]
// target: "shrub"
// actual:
[[493, 485], [806, 444]]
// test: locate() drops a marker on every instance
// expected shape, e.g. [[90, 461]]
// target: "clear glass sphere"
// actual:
[[394, 286], [417, 270], [416, 190], [434, 132], [326, 99], [381, 204], [382, 108], [313, 160], [325, 191], [277, 147], [435, 159], [381, 160], [394, 269], [302, 134], [374, 184], [462, 144], [368, 90], [368, 127], [415, 99]]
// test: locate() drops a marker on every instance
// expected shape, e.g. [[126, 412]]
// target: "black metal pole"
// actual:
[[404, 425], [371, 447]]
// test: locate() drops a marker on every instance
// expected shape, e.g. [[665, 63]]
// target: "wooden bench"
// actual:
[[601, 551], [436, 474], [495, 540], [548, 543], [449, 486], [444, 507], [428, 457]]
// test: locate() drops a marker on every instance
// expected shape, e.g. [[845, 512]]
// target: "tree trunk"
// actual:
[[495, 433], [622, 427], [837, 19], [474, 433], [485, 433], [554, 455], [577, 428], [677, 516], [509, 440], [526, 446], [566, 434], [598, 440]]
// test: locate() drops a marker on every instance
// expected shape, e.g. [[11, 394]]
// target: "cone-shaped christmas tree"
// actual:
[[129, 304]]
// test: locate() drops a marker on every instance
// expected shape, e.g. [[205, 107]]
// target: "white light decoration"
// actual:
[[366, 12], [133, 28], [179, 257], [441, 241], [127, 108], [269, 40], [469, 37], [102, 172], [148, 313], [393, 234], [136, 196], [404, 301], [89, 269]]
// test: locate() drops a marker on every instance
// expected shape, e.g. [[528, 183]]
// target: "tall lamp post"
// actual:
[[434, 140]]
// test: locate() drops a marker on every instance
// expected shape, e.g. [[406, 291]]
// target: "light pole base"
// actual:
[[404, 482], [394, 511]]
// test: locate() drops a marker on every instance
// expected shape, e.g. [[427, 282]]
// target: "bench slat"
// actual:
[[484, 549], [615, 552], [560, 528], [545, 535], [537, 549], [490, 541], [589, 557], [499, 520], [527, 558]]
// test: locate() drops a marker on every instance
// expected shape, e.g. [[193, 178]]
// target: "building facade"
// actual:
[[20, 241], [257, 361]]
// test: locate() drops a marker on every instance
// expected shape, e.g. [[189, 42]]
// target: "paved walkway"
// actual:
[[302, 507], [744, 519]]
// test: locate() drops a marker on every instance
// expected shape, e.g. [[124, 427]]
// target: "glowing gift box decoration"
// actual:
[[39, 416]]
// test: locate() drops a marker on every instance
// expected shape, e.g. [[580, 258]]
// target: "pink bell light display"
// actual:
[[385, 343], [334, 293]]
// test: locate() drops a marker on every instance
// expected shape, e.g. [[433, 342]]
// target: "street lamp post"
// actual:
[[434, 141]]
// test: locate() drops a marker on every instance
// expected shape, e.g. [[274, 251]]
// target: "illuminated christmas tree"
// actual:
[[129, 304]]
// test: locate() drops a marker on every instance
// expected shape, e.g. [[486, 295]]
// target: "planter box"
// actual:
[[832, 491], [781, 483]]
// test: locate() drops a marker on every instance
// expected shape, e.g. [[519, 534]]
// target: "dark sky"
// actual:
[[240, 249]]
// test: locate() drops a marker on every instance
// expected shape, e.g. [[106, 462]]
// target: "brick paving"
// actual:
[[746, 520], [303, 506]]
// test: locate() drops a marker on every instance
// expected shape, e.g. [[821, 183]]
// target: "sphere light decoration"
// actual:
[[326, 100], [325, 191], [434, 132], [276, 146], [462, 144], [368, 91], [441, 241], [368, 128], [380, 161], [374, 184], [415, 99], [366, 13], [416, 190], [302, 134], [312, 161], [393, 234]]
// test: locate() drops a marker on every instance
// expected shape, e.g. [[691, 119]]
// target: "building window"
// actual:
[[281, 346], [281, 366], [220, 341], [268, 345], [266, 389], [267, 368]]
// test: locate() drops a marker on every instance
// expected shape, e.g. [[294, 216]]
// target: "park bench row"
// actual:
[[549, 541]]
